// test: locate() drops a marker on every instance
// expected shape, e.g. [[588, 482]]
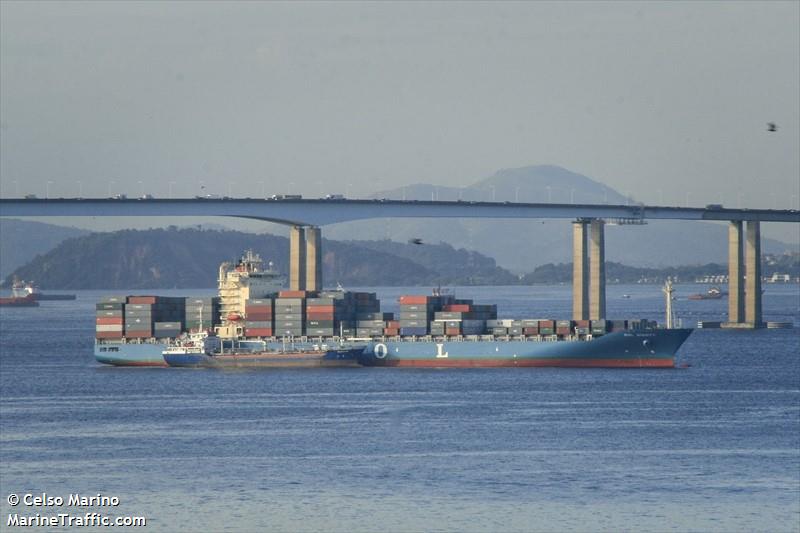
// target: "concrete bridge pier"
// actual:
[[735, 273], [580, 271], [297, 258], [305, 258], [588, 270], [597, 270], [752, 256], [313, 258], [744, 275]]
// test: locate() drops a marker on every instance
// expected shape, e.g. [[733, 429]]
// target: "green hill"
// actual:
[[190, 258]]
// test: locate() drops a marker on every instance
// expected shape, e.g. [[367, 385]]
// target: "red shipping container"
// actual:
[[530, 331], [562, 331], [142, 299], [293, 294], [108, 335], [320, 308], [452, 331], [547, 324], [139, 334], [391, 331], [108, 321], [258, 332], [260, 308], [457, 308], [414, 300], [392, 323], [582, 323]]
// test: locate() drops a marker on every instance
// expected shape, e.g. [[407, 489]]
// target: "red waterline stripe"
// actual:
[[562, 363]]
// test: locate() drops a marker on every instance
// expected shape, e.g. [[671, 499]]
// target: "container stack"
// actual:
[[259, 317], [583, 327], [417, 313], [200, 313], [462, 317], [110, 317], [617, 325], [290, 311], [147, 315], [376, 324], [564, 328], [599, 327]]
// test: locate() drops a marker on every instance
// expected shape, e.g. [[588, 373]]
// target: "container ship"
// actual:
[[254, 319], [22, 295]]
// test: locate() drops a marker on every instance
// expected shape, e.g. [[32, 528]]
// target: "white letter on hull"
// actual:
[[439, 353]]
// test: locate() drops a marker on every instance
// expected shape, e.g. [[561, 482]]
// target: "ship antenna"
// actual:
[[668, 290]]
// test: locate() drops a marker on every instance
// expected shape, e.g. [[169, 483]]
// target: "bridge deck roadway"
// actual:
[[323, 212]]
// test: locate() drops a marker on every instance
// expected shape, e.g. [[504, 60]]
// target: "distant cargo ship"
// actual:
[[27, 294], [714, 293], [20, 296]]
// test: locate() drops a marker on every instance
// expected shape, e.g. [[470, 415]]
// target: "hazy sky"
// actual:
[[315, 98]]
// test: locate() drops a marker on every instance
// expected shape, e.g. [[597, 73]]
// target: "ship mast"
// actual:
[[668, 290]]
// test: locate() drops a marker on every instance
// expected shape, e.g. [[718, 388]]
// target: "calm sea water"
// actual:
[[711, 447]]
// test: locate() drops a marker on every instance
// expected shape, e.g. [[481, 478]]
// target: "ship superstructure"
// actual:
[[246, 280]]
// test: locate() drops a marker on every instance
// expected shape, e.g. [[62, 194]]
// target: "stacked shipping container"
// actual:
[[139, 317], [331, 314], [259, 317], [200, 313]]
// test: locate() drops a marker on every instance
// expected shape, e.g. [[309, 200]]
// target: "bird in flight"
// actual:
[[771, 126], [415, 241]]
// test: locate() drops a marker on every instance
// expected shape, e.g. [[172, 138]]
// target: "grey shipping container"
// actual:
[[284, 324], [322, 301], [370, 323], [290, 301], [416, 307], [375, 316], [413, 323], [113, 299], [109, 306], [499, 331], [324, 332], [320, 323], [414, 315], [284, 310], [260, 324], [259, 301], [109, 314]]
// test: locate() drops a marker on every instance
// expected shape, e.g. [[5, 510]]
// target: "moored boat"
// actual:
[[205, 351], [713, 293]]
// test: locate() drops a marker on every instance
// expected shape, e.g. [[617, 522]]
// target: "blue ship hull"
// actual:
[[636, 349], [628, 349], [148, 353]]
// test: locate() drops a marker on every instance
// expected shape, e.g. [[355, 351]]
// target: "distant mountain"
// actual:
[[522, 245], [190, 258], [21, 241]]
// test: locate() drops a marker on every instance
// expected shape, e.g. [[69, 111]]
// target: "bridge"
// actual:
[[306, 216]]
